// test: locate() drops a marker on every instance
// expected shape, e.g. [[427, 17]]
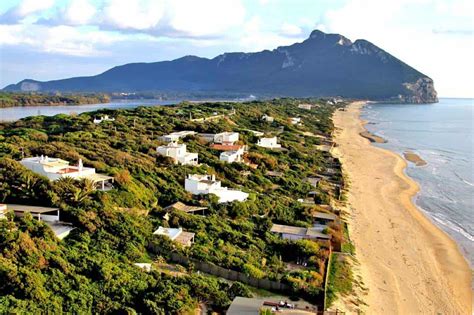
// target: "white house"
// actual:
[[178, 153], [232, 156], [207, 184], [295, 120], [270, 143], [177, 235], [267, 118], [226, 137], [50, 216], [175, 136], [305, 106], [54, 169], [103, 118], [144, 266]]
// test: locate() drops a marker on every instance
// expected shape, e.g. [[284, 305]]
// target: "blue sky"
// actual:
[[48, 39]]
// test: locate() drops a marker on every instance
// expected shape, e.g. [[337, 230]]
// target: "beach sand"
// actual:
[[407, 263]]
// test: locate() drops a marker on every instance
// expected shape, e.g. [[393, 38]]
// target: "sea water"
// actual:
[[443, 135]]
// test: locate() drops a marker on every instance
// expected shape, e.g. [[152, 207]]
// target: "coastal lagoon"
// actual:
[[442, 134], [15, 113]]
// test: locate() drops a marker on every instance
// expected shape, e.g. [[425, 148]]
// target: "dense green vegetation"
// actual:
[[10, 99], [92, 270]]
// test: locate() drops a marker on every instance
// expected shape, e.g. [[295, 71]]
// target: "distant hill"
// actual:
[[322, 65]]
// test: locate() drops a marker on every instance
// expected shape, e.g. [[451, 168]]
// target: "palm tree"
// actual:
[[86, 187]]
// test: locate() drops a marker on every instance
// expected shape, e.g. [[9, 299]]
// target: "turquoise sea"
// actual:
[[443, 135]]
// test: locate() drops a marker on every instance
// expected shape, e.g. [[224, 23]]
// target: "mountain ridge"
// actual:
[[323, 65]]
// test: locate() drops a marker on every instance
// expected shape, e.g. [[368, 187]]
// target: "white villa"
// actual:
[[270, 143], [228, 138], [295, 120], [54, 169], [232, 156], [177, 235], [175, 136], [305, 106], [267, 118], [178, 153], [207, 184], [103, 118], [50, 216]]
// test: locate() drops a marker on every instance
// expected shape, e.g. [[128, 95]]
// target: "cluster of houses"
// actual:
[[226, 142], [231, 151]]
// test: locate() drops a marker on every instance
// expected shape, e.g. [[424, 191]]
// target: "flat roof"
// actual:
[[172, 233], [98, 177], [288, 229], [315, 232], [184, 237], [61, 230], [245, 306], [324, 215], [183, 207], [32, 209]]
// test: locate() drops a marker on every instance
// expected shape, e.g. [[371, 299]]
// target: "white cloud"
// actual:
[[79, 12], [290, 30], [133, 14], [64, 40], [255, 38], [32, 6], [167, 18], [205, 17], [24, 9]]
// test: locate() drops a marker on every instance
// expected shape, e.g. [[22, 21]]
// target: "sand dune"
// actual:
[[408, 264]]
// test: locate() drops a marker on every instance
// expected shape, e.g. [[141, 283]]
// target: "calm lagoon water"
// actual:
[[15, 113], [443, 135]]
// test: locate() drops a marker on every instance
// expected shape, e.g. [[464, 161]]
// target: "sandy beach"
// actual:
[[407, 263]]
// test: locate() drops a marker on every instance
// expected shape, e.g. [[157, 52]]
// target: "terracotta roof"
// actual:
[[225, 147], [184, 237]]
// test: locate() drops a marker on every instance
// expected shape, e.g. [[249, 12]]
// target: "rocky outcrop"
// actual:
[[419, 92]]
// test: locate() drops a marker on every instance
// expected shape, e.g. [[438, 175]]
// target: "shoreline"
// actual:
[[408, 263]]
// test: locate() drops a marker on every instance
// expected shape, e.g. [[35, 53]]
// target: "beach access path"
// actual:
[[408, 264]]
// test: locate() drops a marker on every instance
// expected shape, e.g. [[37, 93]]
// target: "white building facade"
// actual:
[[175, 136], [55, 168], [103, 118], [270, 143], [232, 156], [295, 120], [178, 153], [207, 184], [267, 118], [226, 137]]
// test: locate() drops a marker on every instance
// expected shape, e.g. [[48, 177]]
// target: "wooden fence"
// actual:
[[229, 274]]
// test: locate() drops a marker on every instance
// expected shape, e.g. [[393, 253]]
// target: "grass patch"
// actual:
[[340, 279]]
